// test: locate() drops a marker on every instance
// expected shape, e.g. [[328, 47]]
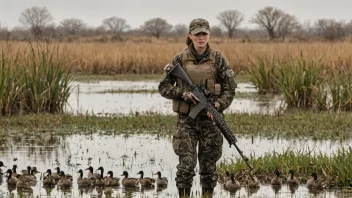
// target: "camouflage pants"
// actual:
[[208, 137]]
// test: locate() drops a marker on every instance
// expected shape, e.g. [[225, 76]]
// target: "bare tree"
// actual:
[[4, 32], [286, 25], [330, 29], [230, 19], [115, 24], [181, 29], [37, 18], [156, 26], [50, 31], [304, 32], [72, 25], [348, 28], [268, 18], [216, 31], [3, 28]]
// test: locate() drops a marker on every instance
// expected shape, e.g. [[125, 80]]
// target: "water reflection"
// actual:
[[101, 86], [87, 98], [150, 153]]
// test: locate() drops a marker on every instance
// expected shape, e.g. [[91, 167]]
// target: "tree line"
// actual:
[[273, 23]]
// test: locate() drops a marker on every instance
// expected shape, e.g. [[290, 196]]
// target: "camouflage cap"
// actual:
[[199, 25]]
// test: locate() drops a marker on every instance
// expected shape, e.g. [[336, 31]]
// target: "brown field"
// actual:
[[143, 55]]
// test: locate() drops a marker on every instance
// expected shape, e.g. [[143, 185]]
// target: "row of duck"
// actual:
[[231, 183], [28, 178]]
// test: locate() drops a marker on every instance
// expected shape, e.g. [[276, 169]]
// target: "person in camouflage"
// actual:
[[208, 67]]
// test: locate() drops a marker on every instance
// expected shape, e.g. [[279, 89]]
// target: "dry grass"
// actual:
[[149, 56]]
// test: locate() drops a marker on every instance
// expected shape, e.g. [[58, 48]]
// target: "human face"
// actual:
[[200, 40]]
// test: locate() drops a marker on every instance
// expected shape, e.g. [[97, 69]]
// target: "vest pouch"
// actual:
[[214, 88], [217, 89], [180, 106], [210, 86]]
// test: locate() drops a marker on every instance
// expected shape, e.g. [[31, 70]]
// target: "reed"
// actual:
[[11, 87], [262, 75], [340, 87], [296, 79], [36, 79], [304, 83]]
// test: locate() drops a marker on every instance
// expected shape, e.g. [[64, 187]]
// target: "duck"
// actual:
[[161, 181], [292, 180], [100, 181], [2, 164], [27, 172], [111, 180], [23, 182], [145, 181], [14, 171], [252, 182], [64, 182], [349, 182], [11, 180], [49, 180], [276, 180], [313, 182], [129, 182], [91, 174], [1, 176], [83, 182], [31, 177], [20, 182], [33, 172], [55, 175], [232, 184], [224, 178]]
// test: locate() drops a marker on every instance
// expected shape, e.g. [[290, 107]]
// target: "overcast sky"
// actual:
[[136, 12]]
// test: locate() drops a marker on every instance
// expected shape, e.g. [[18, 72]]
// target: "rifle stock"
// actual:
[[204, 102]]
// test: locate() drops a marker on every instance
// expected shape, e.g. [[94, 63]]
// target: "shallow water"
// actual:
[[93, 98], [150, 153]]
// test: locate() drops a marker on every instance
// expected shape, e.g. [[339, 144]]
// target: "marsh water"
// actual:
[[150, 153], [130, 97], [147, 152]]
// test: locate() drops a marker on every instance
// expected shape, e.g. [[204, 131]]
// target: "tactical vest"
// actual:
[[200, 74]]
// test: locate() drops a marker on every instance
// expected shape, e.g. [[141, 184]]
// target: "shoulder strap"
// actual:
[[212, 58], [184, 56], [213, 54]]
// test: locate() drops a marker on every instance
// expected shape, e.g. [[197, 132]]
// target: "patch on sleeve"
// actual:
[[230, 73], [231, 79]]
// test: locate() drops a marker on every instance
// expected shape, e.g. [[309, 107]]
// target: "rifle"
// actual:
[[205, 102]]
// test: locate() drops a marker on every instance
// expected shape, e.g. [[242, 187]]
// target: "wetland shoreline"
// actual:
[[294, 124]]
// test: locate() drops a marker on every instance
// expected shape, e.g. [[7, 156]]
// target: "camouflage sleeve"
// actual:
[[226, 78], [167, 85]]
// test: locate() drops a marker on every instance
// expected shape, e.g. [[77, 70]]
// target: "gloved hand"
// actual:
[[217, 106], [189, 96]]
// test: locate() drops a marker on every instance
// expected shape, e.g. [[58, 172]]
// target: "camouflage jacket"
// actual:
[[224, 76]]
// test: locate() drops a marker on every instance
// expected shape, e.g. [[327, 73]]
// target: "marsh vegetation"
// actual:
[[44, 111]]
